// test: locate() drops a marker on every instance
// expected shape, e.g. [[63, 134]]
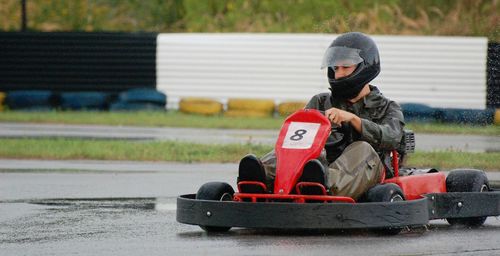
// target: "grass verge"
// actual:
[[141, 118], [64, 149], [177, 119]]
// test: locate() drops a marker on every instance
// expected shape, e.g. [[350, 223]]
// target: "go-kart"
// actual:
[[410, 197]]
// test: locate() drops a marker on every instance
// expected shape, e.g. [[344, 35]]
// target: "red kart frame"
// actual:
[[302, 137]]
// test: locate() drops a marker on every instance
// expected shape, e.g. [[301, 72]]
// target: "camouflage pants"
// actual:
[[356, 170]]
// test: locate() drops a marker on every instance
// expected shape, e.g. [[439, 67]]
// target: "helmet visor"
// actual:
[[341, 56]]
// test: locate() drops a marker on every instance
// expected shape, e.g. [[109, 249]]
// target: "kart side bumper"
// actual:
[[336, 215], [463, 204]]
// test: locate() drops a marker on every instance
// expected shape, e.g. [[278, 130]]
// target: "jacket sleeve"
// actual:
[[384, 133]]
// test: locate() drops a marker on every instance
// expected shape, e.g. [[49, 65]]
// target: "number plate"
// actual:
[[300, 135]]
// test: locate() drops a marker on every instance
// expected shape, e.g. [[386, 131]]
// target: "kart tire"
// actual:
[[464, 180], [215, 191], [388, 192]]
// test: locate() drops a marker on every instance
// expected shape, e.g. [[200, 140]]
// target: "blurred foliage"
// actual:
[[406, 17]]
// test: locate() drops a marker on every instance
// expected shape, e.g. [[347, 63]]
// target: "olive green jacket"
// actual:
[[382, 120]]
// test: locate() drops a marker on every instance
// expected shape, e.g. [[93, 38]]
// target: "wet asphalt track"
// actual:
[[122, 211]]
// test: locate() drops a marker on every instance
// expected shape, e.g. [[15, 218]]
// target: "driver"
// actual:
[[366, 126]]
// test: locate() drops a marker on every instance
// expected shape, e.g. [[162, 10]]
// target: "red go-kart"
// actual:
[[411, 197]]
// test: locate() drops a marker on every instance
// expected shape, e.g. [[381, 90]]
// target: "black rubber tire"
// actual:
[[135, 106], [467, 180], [215, 191], [144, 95], [388, 192], [84, 100], [30, 100]]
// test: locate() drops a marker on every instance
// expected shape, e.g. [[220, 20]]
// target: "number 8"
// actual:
[[298, 135]]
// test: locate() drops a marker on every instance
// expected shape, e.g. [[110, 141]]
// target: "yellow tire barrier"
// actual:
[[287, 108], [2, 98], [201, 106], [497, 117], [246, 113], [253, 105]]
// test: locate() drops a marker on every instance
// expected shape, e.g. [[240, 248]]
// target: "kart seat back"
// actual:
[[302, 137]]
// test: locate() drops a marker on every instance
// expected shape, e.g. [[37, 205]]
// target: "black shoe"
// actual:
[[313, 172], [251, 169]]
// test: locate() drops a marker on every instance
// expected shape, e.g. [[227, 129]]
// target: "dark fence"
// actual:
[[77, 61], [493, 76]]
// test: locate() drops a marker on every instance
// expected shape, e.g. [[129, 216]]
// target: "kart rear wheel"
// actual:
[[464, 180], [215, 191], [388, 192]]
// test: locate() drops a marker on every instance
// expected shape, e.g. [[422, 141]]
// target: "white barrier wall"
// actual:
[[438, 71]]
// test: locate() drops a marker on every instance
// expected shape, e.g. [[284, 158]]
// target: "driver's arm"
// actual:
[[387, 132]]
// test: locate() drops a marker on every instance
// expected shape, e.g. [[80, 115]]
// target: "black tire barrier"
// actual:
[[30, 100], [84, 100], [466, 116], [143, 95], [135, 106], [415, 112]]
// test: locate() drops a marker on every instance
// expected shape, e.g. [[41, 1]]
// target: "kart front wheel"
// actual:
[[215, 191], [464, 180], [388, 192]]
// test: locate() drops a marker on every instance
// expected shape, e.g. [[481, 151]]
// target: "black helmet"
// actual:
[[349, 49]]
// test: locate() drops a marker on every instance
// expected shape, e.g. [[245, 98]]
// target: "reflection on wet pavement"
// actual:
[[147, 226]]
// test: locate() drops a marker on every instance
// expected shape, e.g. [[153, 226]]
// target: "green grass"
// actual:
[[61, 149], [447, 160], [147, 118], [177, 119], [445, 128], [64, 149], [400, 17]]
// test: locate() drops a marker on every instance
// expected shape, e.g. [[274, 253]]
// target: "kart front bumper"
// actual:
[[278, 215]]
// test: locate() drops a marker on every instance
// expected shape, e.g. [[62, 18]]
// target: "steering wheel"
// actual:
[[340, 135]]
